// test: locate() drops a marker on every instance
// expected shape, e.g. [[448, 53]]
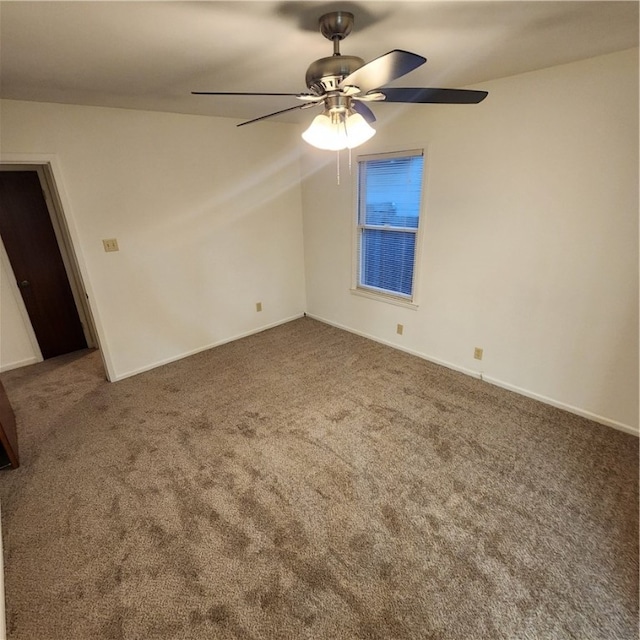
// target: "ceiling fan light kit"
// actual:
[[334, 131], [344, 84]]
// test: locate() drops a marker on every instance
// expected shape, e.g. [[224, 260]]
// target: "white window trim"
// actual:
[[371, 292]]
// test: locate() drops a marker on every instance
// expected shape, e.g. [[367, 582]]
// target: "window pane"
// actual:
[[387, 259], [391, 191]]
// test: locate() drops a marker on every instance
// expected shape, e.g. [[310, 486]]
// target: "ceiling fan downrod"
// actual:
[[336, 26]]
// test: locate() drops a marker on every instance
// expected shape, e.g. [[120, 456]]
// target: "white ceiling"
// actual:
[[150, 55]]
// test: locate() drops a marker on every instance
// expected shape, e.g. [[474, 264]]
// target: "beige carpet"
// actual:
[[305, 483]]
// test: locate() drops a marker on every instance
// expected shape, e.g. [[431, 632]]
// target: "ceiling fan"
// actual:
[[344, 84]]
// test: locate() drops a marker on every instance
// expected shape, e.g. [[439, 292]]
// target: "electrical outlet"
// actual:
[[477, 353], [399, 329], [258, 306], [110, 245]]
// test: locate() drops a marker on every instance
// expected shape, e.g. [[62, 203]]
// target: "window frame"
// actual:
[[367, 291]]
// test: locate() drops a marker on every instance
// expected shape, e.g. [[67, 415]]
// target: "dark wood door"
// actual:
[[28, 237]]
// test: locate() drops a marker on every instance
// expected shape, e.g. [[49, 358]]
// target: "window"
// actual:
[[389, 202]]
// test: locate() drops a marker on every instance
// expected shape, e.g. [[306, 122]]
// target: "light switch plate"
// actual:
[[111, 244]]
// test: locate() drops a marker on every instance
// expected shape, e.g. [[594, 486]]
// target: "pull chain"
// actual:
[[338, 166]]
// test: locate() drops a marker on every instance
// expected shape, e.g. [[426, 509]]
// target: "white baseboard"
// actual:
[[566, 407], [20, 363], [498, 383], [159, 363]]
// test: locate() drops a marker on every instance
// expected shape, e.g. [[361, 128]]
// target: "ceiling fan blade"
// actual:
[[241, 93], [383, 70], [364, 111], [433, 96], [276, 113]]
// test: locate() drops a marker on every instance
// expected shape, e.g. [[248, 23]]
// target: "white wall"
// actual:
[[530, 236], [207, 217]]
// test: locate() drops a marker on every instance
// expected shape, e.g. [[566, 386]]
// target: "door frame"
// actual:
[[50, 175], [63, 241]]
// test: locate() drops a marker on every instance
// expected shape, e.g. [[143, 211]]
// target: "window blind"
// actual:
[[389, 202]]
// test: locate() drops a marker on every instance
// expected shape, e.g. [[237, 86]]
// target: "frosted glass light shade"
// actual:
[[339, 133], [324, 135], [358, 130]]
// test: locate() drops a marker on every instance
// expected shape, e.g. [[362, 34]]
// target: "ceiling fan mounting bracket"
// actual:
[[336, 25]]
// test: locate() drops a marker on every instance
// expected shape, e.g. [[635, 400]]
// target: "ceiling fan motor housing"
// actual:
[[326, 74]]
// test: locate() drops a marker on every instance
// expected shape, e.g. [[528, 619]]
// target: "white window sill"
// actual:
[[381, 297]]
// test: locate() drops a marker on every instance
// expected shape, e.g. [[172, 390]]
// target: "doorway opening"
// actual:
[[38, 254]]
